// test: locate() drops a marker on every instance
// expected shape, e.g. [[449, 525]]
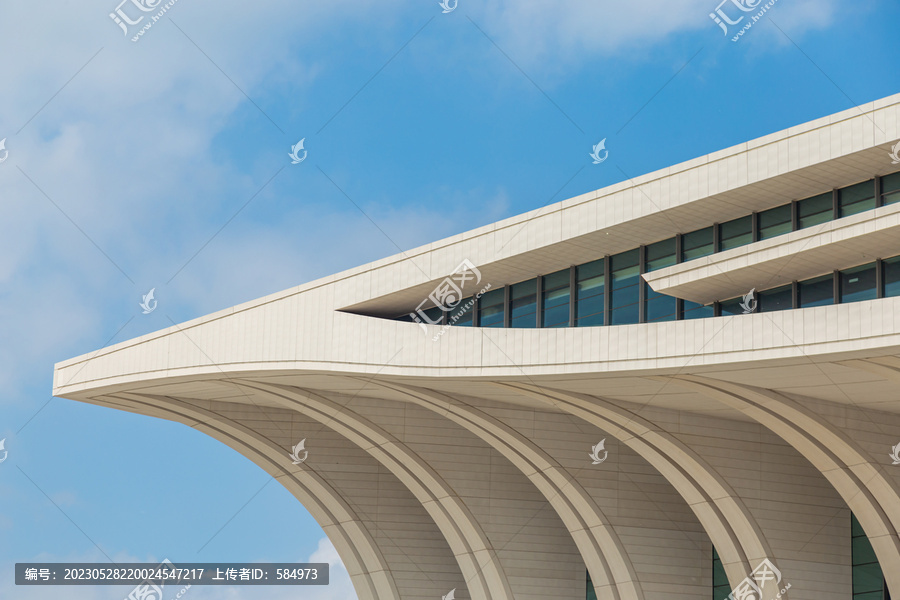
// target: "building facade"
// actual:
[[685, 385]]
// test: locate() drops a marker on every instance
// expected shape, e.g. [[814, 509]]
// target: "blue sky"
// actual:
[[126, 159]]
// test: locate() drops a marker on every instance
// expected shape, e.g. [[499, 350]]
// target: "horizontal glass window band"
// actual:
[[856, 284], [810, 211]]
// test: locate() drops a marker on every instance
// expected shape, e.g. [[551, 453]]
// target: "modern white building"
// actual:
[[608, 418]]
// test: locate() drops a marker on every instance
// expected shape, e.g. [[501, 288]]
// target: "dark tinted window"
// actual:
[[462, 315], [490, 309], [738, 232], [590, 289], [523, 298], [774, 221], [432, 316], [697, 243], [857, 198], [692, 310], [659, 306], [892, 277], [817, 292], [625, 278], [733, 306], [890, 188], [858, 283], [815, 210], [556, 299], [721, 588], [780, 298], [868, 580]]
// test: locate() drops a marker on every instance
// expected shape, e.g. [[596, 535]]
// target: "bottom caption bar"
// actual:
[[153, 575]]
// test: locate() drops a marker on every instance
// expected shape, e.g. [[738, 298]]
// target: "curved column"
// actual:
[[485, 577], [372, 578], [729, 524], [872, 497], [603, 552]]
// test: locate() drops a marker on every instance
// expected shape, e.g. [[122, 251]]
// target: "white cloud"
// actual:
[[127, 151], [327, 553], [554, 33]]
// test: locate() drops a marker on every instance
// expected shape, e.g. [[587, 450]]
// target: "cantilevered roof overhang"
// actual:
[[309, 329]]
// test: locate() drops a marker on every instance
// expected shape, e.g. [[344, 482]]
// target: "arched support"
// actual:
[[603, 552], [731, 527], [478, 561], [872, 497], [368, 569]]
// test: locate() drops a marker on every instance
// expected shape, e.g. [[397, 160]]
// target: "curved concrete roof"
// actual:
[[810, 393]]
